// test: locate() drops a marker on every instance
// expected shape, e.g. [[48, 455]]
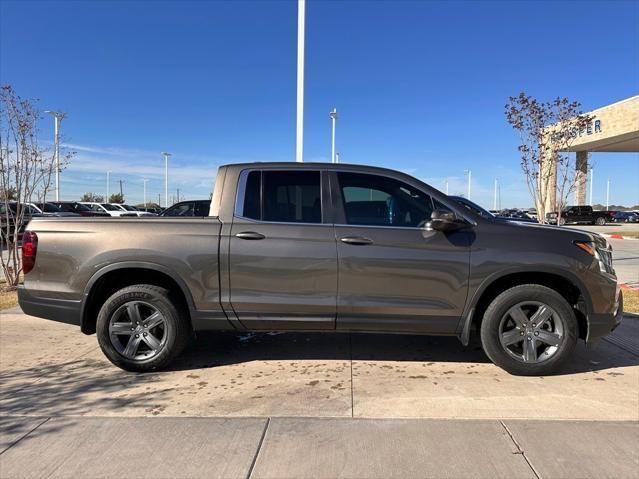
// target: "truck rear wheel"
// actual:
[[600, 221], [139, 328], [529, 330]]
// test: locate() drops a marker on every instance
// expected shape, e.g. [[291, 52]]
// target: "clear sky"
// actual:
[[419, 86]]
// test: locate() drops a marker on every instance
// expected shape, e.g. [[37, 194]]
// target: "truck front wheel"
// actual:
[[600, 221], [139, 328], [529, 330]]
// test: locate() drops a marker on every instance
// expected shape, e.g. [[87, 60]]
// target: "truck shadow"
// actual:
[[215, 349]]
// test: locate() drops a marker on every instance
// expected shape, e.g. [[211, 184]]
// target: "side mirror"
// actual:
[[443, 220]]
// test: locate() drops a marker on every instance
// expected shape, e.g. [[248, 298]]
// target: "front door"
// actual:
[[393, 274], [283, 261]]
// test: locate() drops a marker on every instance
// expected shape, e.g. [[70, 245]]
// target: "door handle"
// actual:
[[356, 240], [250, 235]]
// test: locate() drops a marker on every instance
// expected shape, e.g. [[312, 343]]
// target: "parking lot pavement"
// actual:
[[98, 447], [312, 405], [51, 369]]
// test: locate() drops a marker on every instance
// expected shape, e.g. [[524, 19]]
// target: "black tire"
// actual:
[[601, 221], [497, 311], [175, 329]]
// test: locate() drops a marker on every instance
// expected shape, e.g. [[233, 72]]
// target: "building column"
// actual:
[[581, 177]]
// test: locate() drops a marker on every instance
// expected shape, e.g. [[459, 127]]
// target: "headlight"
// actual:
[[602, 253]]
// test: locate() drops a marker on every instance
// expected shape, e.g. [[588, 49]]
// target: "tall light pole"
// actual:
[[106, 200], [470, 175], [333, 116], [166, 179], [592, 175], [608, 194], [446, 186], [495, 196], [56, 148], [299, 142], [145, 180]]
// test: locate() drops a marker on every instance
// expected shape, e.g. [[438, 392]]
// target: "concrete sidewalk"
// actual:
[[98, 447]]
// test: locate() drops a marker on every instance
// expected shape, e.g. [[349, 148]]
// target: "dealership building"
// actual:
[[613, 128]]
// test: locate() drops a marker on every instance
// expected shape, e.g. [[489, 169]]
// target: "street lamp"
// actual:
[[333, 117], [166, 179], [145, 180], [299, 144], [106, 200], [58, 116], [470, 176]]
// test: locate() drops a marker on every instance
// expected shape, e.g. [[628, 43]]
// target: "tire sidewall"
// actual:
[[498, 308], [120, 298]]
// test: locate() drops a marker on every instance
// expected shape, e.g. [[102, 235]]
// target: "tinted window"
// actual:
[[379, 201], [291, 196], [109, 207], [252, 196], [202, 208], [182, 209], [50, 208]]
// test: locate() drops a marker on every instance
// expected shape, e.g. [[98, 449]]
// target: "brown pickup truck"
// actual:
[[322, 247]]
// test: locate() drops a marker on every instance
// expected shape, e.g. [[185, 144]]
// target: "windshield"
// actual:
[[129, 208], [474, 207], [109, 207]]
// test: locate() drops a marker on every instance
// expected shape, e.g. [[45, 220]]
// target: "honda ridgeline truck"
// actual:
[[322, 247]]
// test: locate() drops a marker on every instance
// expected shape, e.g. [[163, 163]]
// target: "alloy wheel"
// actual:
[[138, 330], [531, 332]]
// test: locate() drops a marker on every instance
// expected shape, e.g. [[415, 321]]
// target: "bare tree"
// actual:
[[547, 131], [25, 168]]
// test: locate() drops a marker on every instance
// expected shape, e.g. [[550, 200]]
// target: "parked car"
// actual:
[[279, 235], [155, 211], [12, 213], [189, 208], [474, 207], [626, 217], [578, 214], [49, 209], [109, 209], [131, 209], [79, 208]]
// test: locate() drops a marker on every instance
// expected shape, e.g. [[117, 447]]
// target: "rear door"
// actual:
[[283, 261], [393, 274]]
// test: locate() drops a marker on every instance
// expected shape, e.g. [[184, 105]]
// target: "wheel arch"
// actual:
[[566, 284], [120, 275]]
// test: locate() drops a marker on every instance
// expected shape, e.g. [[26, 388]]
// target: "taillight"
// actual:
[[29, 250]]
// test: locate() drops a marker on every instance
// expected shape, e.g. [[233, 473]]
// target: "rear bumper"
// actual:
[[61, 310], [600, 325]]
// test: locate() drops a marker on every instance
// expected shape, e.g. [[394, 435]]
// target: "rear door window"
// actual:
[[202, 208], [283, 196]]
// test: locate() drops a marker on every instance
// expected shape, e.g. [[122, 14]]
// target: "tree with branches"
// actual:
[[26, 170], [547, 131], [92, 198]]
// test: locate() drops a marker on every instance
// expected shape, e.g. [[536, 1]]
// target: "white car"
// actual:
[[131, 209], [108, 208]]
